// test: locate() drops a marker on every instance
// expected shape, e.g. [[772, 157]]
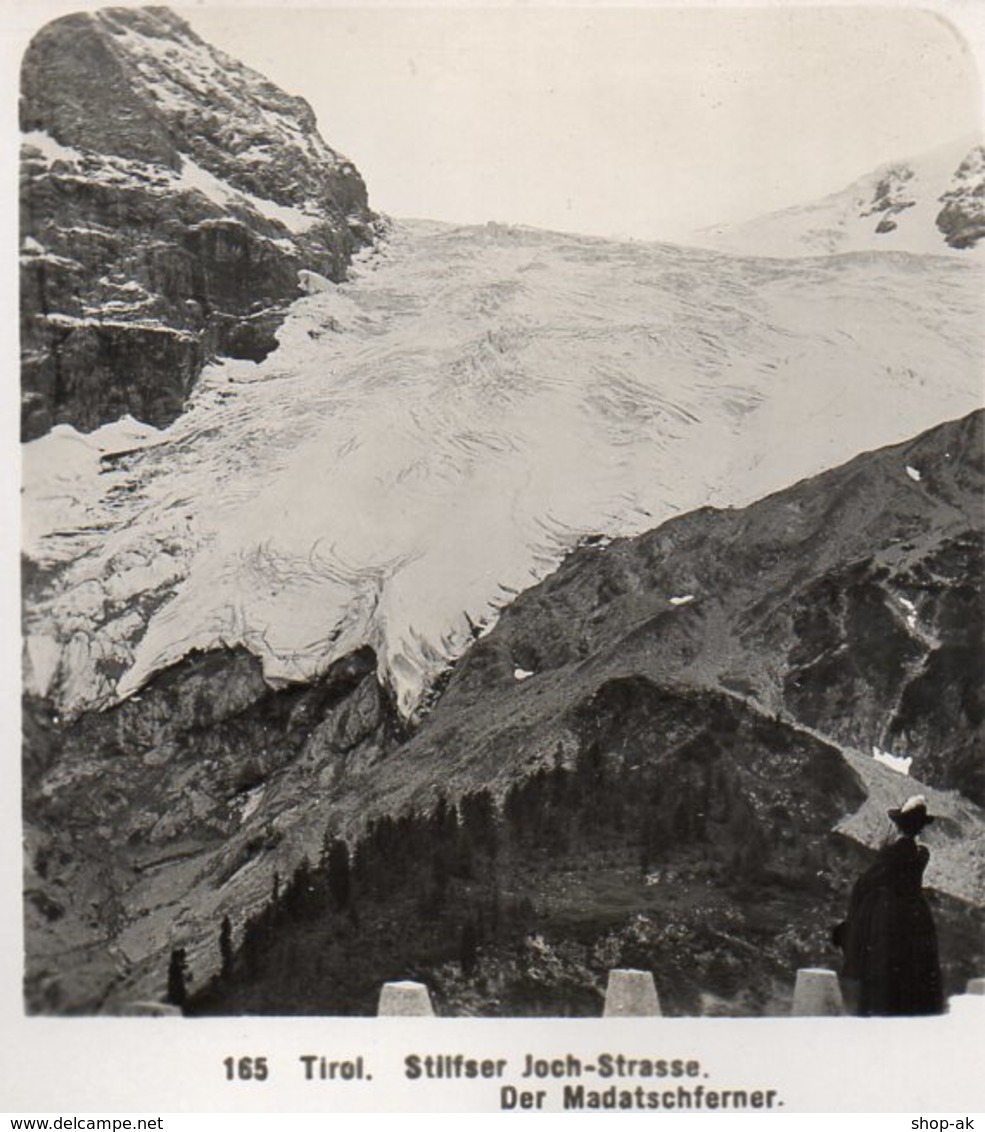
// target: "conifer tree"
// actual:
[[299, 894], [178, 977], [468, 948], [226, 947], [339, 873]]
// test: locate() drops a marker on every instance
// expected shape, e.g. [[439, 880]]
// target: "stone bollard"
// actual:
[[817, 992], [405, 1000], [631, 994], [975, 986]]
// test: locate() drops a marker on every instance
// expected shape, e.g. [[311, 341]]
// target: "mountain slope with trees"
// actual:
[[676, 667]]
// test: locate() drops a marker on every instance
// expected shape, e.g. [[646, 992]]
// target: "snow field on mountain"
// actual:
[[433, 436], [846, 221]]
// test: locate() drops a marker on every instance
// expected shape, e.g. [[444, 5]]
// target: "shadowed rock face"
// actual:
[[146, 818], [169, 198], [722, 666], [850, 603]]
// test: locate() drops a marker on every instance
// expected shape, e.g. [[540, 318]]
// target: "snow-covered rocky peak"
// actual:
[[934, 204], [962, 218], [158, 92], [170, 197]]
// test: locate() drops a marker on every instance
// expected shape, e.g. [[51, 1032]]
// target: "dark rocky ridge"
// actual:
[[794, 646], [962, 217], [850, 603], [169, 198]]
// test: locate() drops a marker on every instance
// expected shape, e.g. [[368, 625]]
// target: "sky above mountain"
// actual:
[[647, 122]]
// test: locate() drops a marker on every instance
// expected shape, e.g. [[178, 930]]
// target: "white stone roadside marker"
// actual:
[[817, 992], [631, 994], [405, 1000]]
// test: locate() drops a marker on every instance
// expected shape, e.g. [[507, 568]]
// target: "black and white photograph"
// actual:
[[501, 525]]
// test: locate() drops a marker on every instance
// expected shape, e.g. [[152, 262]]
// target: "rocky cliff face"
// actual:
[[742, 664], [169, 198], [147, 819], [962, 217]]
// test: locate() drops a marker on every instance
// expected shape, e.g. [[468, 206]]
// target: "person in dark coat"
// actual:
[[889, 939]]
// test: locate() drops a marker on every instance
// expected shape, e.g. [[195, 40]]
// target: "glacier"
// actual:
[[432, 436]]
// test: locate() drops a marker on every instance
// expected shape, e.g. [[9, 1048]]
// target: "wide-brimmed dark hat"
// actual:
[[912, 816]]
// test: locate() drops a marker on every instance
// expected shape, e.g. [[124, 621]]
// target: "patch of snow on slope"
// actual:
[[895, 762], [194, 178], [433, 438], [911, 613], [42, 656], [50, 149], [72, 321]]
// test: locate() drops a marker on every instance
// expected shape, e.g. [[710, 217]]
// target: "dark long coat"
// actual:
[[889, 937]]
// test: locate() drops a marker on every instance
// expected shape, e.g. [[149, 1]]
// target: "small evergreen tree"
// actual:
[[468, 948], [299, 895], [339, 873], [178, 977], [226, 947]]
